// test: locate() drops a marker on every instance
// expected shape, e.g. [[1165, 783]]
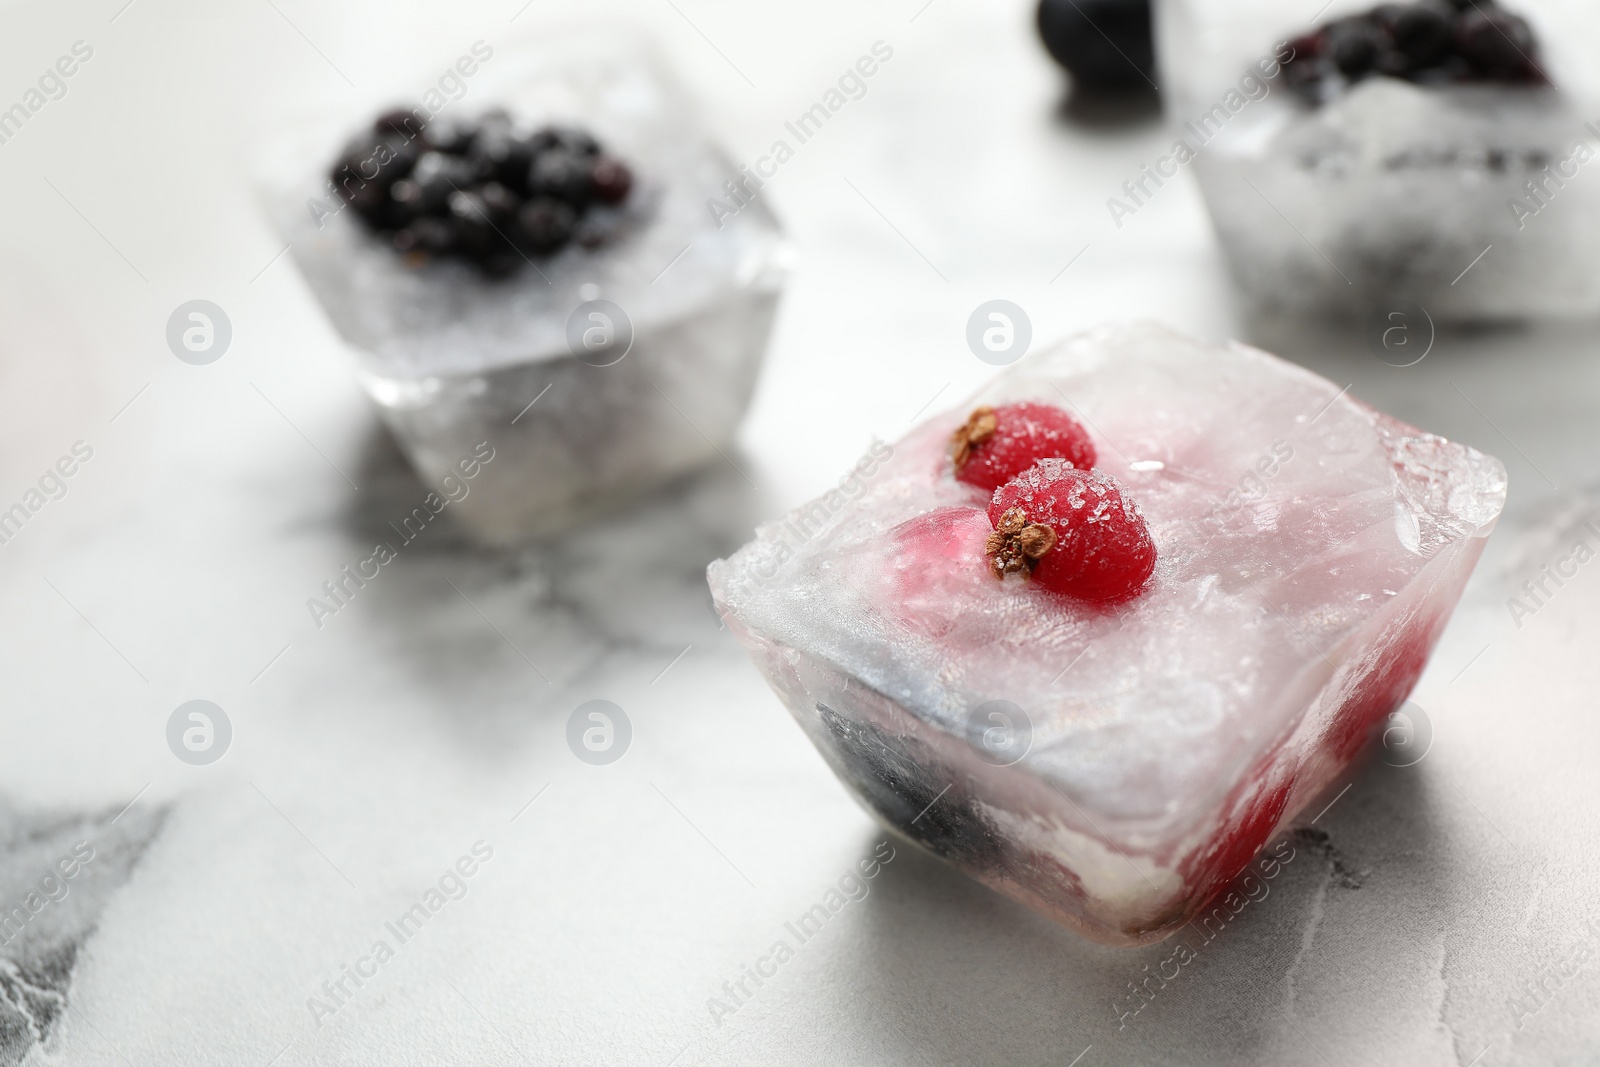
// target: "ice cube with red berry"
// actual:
[[1104, 684]]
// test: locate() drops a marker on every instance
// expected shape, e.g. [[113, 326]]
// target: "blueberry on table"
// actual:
[[1105, 44]]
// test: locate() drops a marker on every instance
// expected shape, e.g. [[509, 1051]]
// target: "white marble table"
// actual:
[[428, 717]]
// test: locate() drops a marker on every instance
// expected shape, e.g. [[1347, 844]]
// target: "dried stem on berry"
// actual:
[[979, 427], [1017, 544]]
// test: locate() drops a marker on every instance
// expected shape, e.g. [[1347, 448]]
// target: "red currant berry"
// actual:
[[1077, 532], [936, 564], [997, 444]]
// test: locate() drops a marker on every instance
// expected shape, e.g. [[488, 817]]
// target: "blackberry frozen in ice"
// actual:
[[1426, 152], [1427, 42], [468, 193], [465, 252]]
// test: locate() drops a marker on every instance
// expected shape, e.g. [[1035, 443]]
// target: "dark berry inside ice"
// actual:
[[1073, 531], [501, 155], [997, 444], [1106, 45], [560, 173], [1354, 45], [1423, 33], [449, 136], [568, 138], [611, 180], [488, 191], [1498, 44], [545, 224], [434, 234], [1430, 42], [501, 202], [399, 120]]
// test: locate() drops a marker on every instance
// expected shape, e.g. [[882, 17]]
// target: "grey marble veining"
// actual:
[[60, 871]]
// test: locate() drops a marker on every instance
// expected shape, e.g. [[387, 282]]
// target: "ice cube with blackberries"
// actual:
[[1430, 153], [533, 265]]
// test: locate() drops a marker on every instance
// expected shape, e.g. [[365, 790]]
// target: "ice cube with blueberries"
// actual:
[[535, 267], [1099, 634], [1429, 153]]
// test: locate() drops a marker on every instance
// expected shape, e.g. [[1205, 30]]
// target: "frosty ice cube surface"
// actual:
[[592, 373], [1450, 188], [1115, 766]]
